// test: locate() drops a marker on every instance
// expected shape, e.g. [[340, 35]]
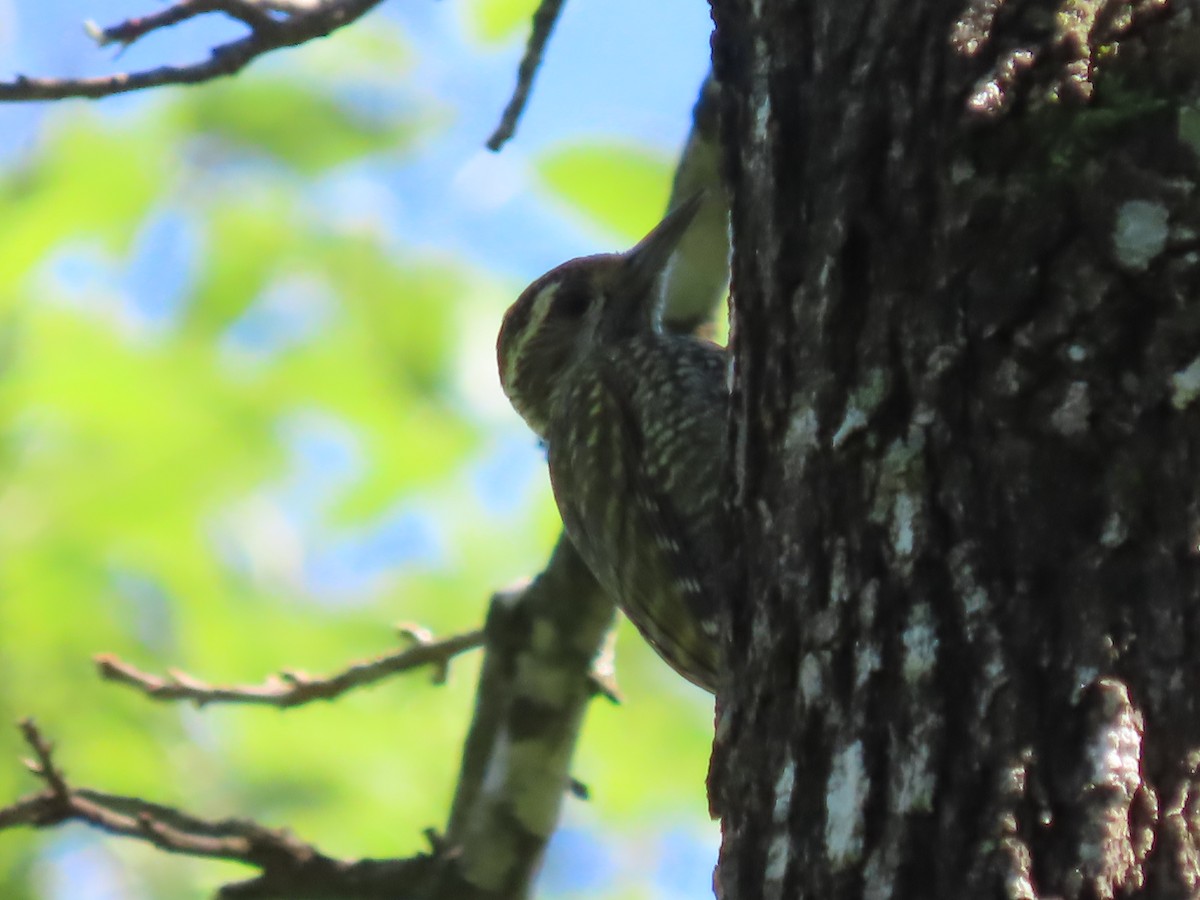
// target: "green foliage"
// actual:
[[291, 124], [85, 181], [493, 21], [145, 473], [623, 187]]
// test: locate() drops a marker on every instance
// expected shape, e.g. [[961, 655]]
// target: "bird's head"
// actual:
[[581, 305]]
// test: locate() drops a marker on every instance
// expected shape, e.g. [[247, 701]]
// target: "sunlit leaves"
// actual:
[[623, 187], [243, 242], [85, 180], [294, 125], [498, 20]]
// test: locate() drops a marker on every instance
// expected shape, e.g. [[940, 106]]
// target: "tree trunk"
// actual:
[[966, 419]]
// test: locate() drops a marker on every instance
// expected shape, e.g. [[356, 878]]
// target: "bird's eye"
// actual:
[[572, 301]]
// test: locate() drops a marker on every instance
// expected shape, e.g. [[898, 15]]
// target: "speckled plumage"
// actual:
[[634, 422]]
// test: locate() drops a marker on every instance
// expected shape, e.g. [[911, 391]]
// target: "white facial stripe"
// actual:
[[541, 305]]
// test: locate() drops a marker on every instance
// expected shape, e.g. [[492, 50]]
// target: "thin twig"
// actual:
[[543, 23], [43, 764], [249, 13], [287, 863], [294, 688], [294, 23], [543, 662]]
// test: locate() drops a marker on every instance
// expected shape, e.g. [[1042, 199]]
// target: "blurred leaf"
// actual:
[[85, 180], [493, 21], [405, 308], [379, 55], [245, 243], [623, 187], [673, 722], [293, 123]]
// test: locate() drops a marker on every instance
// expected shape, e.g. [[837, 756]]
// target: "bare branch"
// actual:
[[294, 688], [166, 828], [43, 765], [290, 867], [543, 23], [292, 23], [545, 659], [249, 13]]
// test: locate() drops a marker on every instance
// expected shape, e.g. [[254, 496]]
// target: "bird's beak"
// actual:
[[648, 260]]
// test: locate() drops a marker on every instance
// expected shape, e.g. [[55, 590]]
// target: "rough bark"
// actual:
[[967, 423]]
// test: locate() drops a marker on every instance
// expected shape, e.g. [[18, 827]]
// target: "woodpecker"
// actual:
[[633, 419]]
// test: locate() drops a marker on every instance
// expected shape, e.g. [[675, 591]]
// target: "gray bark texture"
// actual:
[[966, 422]]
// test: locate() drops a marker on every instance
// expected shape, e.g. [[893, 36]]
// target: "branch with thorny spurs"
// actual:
[[543, 662], [273, 24], [285, 861], [294, 688]]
